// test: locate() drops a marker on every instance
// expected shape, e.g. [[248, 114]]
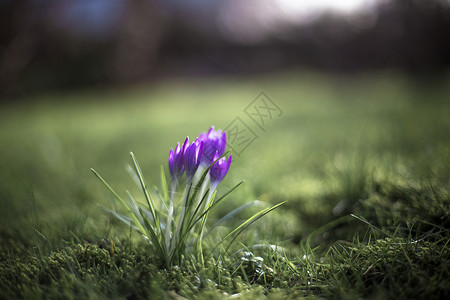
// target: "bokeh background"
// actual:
[[363, 86], [71, 44]]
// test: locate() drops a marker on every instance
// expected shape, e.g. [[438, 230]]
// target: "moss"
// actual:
[[78, 269], [399, 268]]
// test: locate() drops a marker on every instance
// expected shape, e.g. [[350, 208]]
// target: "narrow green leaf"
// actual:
[[164, 186], [152, 235], [134, 207], [130, 212], [181, 221], [123, 218], [238, 230], [143, 185], [205, 216], [149, 216], [202, 226], [160, 199], [229, 191], [203, 177], [147, 195], [197, 210], [192, 223], [371, 225], [232, 214]]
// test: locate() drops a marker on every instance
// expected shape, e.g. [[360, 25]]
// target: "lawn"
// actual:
[[362, 161]]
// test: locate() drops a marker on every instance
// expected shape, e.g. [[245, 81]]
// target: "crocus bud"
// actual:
[[214, 141], [176, 161], [219, 170], [192, 157]]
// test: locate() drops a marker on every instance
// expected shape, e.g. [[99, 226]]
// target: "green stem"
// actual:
[[180, 220], [202, 226], [170, 215]]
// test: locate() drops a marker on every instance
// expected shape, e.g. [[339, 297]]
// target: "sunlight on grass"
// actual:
[[376, 146]]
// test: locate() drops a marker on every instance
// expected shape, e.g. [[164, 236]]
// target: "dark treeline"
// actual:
[[40, 49]]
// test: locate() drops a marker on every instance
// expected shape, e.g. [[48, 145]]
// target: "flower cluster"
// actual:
[[206, 151]]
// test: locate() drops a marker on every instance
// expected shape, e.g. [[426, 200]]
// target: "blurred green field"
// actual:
[[344, 144]]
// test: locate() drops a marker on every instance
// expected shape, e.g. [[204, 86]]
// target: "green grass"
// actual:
[[376, 146]]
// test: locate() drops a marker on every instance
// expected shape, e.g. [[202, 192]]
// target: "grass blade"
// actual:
[[229, 191], [164, 186], [143, 185], [147, 195], [152, 235], [192, 223], [130, 212], [238, 230], [134, 207], [124, 219], [233, 213], [371, 225]]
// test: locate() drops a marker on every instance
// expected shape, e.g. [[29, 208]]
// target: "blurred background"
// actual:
[[49, 44]]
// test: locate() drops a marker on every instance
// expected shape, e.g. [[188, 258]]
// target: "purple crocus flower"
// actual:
[[214, 141], [219, 170], [176, 161], [192, 157]]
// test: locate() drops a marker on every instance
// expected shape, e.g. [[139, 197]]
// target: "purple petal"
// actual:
[[219, 170], [200, 152], [171, 167], [213, 141], [185, 145], [192, 157]]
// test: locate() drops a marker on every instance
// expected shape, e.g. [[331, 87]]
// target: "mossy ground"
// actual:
[[362, 161]]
